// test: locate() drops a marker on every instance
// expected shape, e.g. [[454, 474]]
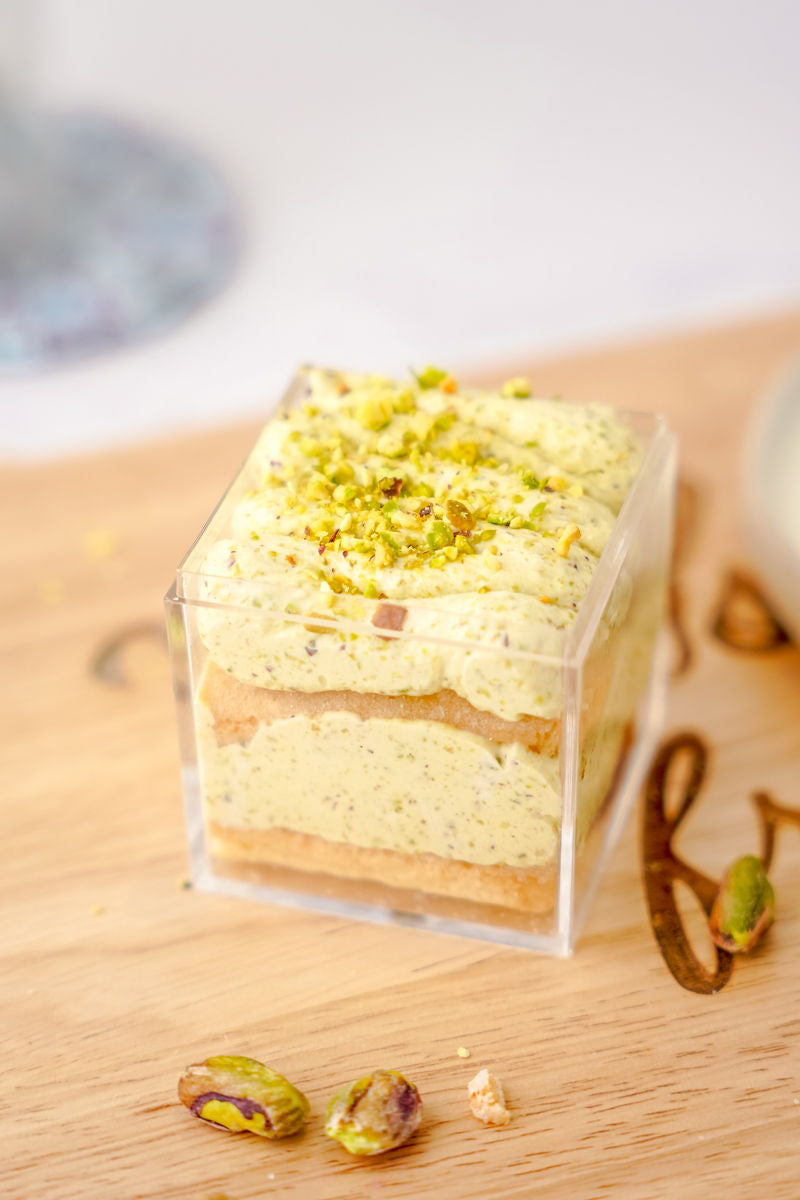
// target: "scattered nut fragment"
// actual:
[[100, 543], [242, 1095], [462, 1052], [745, 906], [431, 377], [486, 1099], [517, 387], [566, 538], [376, 1113], [459, 516]]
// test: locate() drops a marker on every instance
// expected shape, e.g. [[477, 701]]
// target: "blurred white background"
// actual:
[[434, 179]]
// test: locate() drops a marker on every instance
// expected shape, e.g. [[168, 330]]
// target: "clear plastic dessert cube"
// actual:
[[418, 658]]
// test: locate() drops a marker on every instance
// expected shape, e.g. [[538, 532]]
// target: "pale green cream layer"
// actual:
[[349, 508], [411, 786]]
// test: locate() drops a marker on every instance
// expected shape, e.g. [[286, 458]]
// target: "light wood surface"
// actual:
[[621, 1083]]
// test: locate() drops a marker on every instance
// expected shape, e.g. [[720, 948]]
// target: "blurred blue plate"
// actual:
[[108, 234]]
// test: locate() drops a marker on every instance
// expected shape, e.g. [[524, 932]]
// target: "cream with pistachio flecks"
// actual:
[[481, 514]]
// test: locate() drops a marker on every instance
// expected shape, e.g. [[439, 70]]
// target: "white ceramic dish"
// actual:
[[771, 492]]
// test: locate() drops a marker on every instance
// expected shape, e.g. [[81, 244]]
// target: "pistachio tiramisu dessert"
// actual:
[[383, 602]]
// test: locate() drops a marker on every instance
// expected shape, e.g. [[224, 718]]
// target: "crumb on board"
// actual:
[[184, 884], [97, 910], [462, 1052], [100, 543], [487, 1101]]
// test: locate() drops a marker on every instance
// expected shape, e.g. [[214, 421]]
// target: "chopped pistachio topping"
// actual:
[[566, 538], [518, 387], [376, 411], [459, 516], [431, 377], [439, 535], [368, 475]]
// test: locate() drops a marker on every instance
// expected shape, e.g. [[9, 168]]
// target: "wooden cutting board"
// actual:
[[622, 1082]]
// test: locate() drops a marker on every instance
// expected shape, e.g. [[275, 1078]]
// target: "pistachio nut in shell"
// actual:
[[244, 1096], [745, 905], [376, 1113]]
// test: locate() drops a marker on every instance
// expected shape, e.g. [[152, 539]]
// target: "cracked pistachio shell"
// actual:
[[376, 1113], [244, 1096]]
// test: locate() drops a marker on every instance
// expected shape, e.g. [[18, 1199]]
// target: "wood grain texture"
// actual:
[[621, 1083]]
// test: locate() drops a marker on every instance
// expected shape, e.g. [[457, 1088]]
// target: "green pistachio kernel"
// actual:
[[423, 489], [439, 535], [339, 472], [383, 556], [467, 453], [390, 447], [464, 545], [404, 401], [371, 590], [485, 535], [431, 377], [318, 488], [376, 411], [390, 485], [538, 509], [343, 493], [530, 480], [376, 1113], [242, 1095], [459, 516], [518, 387], [745, 905]]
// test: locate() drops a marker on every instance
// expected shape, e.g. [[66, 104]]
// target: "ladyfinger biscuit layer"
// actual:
[[523, 889], [239, 709]]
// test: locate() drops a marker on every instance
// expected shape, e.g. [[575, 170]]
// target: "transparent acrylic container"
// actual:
[[302, 798]]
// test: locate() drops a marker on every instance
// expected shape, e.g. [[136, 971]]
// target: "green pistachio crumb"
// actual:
[[439, 535], [467, 453], [376, 411], [404, 401], [518, 387], [430, 377]]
